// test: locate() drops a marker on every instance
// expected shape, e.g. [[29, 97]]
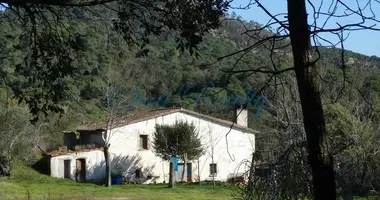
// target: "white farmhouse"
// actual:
[[132, 155]]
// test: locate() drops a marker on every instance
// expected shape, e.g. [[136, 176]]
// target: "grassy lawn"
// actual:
[[29, 182]]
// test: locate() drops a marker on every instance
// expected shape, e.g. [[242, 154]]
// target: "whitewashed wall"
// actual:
[[127, 157], [94, 164]]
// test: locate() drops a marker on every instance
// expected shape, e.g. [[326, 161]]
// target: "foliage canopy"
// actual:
[[177, 140]]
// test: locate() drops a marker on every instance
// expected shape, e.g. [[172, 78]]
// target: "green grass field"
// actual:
[[29, 183]]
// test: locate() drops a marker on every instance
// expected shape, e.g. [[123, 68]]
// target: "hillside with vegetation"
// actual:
[[98, 56]]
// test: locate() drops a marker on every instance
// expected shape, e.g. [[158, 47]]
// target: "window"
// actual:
[[138, 173], [143, 141], [213, 169]]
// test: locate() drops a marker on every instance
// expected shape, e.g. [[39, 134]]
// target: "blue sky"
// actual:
[[365, 42]]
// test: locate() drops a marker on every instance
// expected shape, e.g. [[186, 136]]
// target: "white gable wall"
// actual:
[[125, 143]]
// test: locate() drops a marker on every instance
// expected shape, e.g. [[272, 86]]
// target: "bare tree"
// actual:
[[115, 95], [293, 29], [212, 143], [278, 168], [281, 153]]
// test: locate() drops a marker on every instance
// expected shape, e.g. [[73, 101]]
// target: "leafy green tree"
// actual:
[[51, 47], [354, 143], [181, 139], [18, 137]]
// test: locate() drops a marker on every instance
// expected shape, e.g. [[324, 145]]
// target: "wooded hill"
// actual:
[[96, 56]]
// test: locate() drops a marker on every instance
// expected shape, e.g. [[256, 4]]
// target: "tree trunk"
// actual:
[[319, 157], [213, 182], [184, 169], [199, 173], [250, 177], [213, 176], [4, 169], [108, 166], [171, 175]]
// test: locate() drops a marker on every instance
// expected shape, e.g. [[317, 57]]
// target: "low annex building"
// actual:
[[132, 154]]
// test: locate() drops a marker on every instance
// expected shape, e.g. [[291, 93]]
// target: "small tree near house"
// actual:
[[115, 95], [212, 142], [181, 139]]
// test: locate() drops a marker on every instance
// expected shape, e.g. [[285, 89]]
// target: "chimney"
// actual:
[[241, 116]]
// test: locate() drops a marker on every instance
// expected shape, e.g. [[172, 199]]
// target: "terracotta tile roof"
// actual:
[[65, 151], [146, 115]]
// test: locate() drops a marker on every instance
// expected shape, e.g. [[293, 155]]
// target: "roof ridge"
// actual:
[[215, 118], [163, 108], [154, 113]]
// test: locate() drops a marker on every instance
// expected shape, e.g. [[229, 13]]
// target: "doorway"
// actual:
[[188, 172], [81, 170], [66, 168]]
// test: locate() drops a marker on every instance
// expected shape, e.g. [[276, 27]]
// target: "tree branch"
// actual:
[[55, 2], [259, 70]]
